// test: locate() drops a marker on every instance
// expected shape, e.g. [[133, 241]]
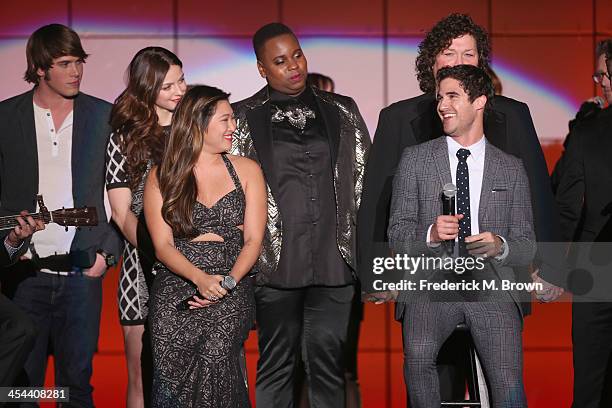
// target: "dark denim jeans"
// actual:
[[66, 311], [17, 336]]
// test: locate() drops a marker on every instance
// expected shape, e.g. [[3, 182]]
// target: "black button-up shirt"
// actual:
[[306, 198]]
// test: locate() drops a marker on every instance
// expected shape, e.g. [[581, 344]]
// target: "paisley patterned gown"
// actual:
[[196, 352]]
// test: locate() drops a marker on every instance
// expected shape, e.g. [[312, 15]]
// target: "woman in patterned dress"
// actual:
[[206, 211], [140, 120]]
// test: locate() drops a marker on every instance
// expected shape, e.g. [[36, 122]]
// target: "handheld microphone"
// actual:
[[449, 192], [599, 101], [590, 108]]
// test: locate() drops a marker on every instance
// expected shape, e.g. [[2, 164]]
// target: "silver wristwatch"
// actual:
[[228, 283]]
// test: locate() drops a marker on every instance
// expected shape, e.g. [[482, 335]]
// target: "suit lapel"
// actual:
[[440, 153], [331, 119], [259, 125], [28, 136], [80, 131], [491, 164]]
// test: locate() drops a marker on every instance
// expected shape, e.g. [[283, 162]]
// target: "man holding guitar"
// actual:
[[52, 142]]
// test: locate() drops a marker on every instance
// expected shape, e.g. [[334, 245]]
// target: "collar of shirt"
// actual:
[[477, 150], [307, 97], [43, 113]]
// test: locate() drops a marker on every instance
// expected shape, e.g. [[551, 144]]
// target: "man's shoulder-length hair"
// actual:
[[440, 37], [50, 42]]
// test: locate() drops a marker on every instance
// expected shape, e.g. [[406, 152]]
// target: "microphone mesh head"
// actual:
[[449, 190]]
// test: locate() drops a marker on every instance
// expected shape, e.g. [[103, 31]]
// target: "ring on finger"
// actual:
[[214, 298]]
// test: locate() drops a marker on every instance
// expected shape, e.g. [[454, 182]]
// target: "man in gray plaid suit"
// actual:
[[493, 223]]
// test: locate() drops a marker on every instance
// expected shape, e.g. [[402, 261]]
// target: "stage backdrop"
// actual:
[[542, 51]]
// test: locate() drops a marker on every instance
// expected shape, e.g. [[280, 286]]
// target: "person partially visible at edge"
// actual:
[[17, 330], [312, 146], [140, 120], [54, 137], [584, 199], [589, 108]]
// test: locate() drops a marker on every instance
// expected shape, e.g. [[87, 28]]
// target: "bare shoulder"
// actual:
[[244, 165], [247, 169]]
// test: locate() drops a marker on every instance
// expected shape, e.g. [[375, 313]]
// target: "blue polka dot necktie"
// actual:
[[463, 199]]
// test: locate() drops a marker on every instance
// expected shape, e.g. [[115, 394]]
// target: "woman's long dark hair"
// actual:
[[133, 114], [177, 182]]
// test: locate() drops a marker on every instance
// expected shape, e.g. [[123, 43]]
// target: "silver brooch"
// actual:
[[297, 116]]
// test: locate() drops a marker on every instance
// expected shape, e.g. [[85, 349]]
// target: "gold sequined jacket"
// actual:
[[342, 121]]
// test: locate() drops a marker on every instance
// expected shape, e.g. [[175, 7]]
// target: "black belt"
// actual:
[[56, 263]]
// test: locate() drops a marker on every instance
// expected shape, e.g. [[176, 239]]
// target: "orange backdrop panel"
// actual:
[[541, 17], [418, 16], [119, 17], [23, 17], [339, 17], [196, 17]]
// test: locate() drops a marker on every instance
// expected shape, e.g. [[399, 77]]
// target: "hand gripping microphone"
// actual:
[[599, 101], [449, 191]]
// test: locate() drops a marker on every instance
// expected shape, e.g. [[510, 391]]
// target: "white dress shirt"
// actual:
[[54, 179], [475, 162]]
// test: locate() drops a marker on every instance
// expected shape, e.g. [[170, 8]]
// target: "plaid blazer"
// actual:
[[505, 205]]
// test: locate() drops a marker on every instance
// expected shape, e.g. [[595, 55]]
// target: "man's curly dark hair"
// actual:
[[440, 37], [473, 80]]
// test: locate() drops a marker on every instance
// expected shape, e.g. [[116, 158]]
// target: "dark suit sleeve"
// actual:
[[571, 188], [373, 216], [557, 173], [588, 110], [5, 258], [545, 211], [105, 236]]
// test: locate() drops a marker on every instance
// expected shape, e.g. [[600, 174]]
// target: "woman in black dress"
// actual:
[[206, 212], [140, 120]]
